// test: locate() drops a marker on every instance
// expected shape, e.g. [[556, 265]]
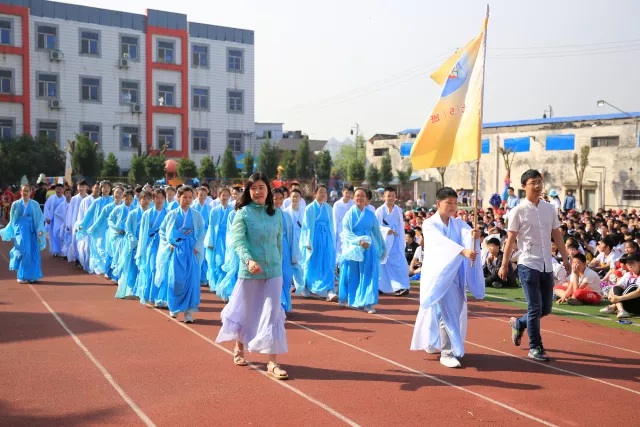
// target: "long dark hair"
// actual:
[[246, 194]]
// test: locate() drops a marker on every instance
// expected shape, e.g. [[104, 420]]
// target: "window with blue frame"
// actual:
[[47, 37], [89, 43], [90, 89], [129, 136], [486, 146], [200, 55], [91, 131], [235, 60], [165, 51], [129, 47], [5, 32], [47, 85], [166, 95], [560, 142], [518, 145], [6, 129], [200, 98], [6, 82]]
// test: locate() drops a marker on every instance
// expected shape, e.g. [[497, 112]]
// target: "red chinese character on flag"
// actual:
[[435, 118]]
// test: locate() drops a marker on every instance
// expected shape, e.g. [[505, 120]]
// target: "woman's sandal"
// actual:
[[280, 374], [238, 358]]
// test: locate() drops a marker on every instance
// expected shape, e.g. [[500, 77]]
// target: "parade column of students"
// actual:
[[394, 279], [50, 206], [98, 262], [84, 243], [214, 240]]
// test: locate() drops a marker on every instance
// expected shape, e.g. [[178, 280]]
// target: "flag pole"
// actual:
[[475, 190]]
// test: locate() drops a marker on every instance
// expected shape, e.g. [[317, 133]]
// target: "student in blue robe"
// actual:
[[50, 206], [117, 235], [26, 228], [69, 235], [231, 264], [296, 213], [171, 202], [148, 244], [58, 228], [214, 241], [317, 242], [84, 244], [98, 258], [180, 256], [362, 249], [126, 267], [110, 238], [201, 206], [290, 254]]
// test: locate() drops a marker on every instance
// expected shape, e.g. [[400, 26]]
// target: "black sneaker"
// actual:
[[539, 354], [402, 292], [516, 333], [496, 285]]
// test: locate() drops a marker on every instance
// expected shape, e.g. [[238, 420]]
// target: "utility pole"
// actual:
[[357, 128]]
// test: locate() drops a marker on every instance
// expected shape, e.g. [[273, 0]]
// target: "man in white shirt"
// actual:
[[532, 223], [583, 287]]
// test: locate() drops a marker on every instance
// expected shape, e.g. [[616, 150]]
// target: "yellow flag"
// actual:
[[452, 132]]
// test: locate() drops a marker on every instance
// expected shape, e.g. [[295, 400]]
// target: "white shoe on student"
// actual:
[[22, 281], [432, 350], [188, 317], [450, 362], [369, 309], [609, 310], [332, 297], [623, 314], [174, 314], [342, 304], [305, 292]]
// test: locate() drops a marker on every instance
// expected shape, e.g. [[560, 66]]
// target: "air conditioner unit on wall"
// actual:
[[54, 104], [124, 63], [136, 108], [55, 55]]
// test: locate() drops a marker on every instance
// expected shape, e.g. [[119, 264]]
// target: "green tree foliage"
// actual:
[[85, 157], [154, 166], [29, 156], [187, 168], [228, 169], [110, 167], [373, 176], [249, 164], [356, 170], [207, 168], [289, 164], [303, 160], [137, 172], [268, 159], [323, 164], [344, 157], [386, 172], [404, 176]]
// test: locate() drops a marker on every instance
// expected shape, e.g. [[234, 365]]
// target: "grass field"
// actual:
[[514, 297]]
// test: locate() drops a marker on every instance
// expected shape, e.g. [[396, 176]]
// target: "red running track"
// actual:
[[71, 355]]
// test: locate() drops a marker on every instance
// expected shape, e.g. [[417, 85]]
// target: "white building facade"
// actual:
[[125, 79]]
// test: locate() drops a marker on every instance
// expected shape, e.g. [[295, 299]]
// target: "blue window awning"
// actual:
[[405, 148], [560, 142], [486, 146], [518, 145]]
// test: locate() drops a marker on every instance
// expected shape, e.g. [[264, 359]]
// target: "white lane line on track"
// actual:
[[556, 333], [257, 368], [423, 374], [145, 419], [543, 365]]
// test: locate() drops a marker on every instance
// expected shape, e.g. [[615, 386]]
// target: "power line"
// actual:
[[565, 54], [563, 46]]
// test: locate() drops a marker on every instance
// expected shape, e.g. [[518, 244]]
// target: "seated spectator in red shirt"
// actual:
[[583, 286]]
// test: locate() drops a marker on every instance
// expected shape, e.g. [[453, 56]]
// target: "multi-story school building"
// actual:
[[125, 79]]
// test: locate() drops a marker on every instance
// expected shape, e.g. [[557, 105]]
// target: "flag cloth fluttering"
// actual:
[[452, 132]]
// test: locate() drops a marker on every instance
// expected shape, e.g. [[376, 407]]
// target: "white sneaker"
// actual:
[[174, 314], [22, 281], [332, 297], [369, 309], [623, 314], [342, 304], [609, 310], [305, 292], [188, 317], [450, 362], [432, 350]]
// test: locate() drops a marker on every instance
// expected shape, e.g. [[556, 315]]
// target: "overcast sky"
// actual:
[[323, 66]]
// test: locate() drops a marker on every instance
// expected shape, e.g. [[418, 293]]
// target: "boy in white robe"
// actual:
[[340, 209], [447, 270], [68, 235], [52, 203]]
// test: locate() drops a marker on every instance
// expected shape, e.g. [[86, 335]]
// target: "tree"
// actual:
[[187, 168], [508, 156], [404, 176], [137, 172], [386, 172], [303, 160], [110, 168], [373, 176], [289, 164], [268, 159], [580, 163], [356, 170], [207, 168], [442, 171], [249, 163], [344, 157], [30, 156], [85, 157], [155, 166], [228, 169], [323, 164]]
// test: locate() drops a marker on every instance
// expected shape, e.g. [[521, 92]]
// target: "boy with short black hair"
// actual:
[[492, 265], [394, 273]]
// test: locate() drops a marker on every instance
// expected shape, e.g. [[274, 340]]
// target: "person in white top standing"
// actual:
[[532, 223], [340, 208]]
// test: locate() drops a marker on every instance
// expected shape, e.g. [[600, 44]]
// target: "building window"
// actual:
[[235, 60], [166, 95], [6, 129], [129, 47], [165, 51], [129, 136], [48, 130], [89, 41], [629, 195], [234, 141], [166, 136], [200, 98], [200, 56], [379, 152], [200, 140], [235, 104], [47, 37], [91, 131], [90, 89], [5, 32], [129, 92], [605, 141], [6, 82], [47, 85]]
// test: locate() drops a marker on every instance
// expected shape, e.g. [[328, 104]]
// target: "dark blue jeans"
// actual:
[[538, 290]]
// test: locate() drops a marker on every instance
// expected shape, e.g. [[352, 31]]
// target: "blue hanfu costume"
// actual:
[[180, 266], [148, 244], [297, 217], [50, 206], [359, 267], [205, 212], [340, 209], [126, 267], [69, 233], [83, 244], [169, 206], [394, 273], [443, 281], [59, 225], [94, 225], [231, 264], [214, 244], [290, 257], [25, 225], [319, 262], [117, 237]]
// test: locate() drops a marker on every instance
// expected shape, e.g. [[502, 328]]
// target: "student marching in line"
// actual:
[[110, 236], [50, 206], [98, 262], [171, 202], [118, 235], [214, 240], [254, 318], [201, 206], [394, 279], [362, 249], [84, 244], [317, 242], [26, 228], [290, 253], [296, 213], [69, 231], [340, 209], [224, 289], [59, 215]]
